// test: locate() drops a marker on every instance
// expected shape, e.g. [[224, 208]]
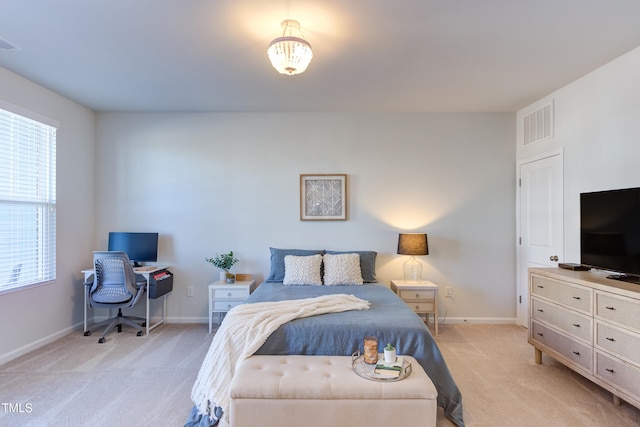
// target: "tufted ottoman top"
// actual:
[[321, 377]]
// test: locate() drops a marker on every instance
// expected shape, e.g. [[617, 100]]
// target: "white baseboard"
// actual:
[[204, 320], [39, 343], [477, 321], [79, 327]]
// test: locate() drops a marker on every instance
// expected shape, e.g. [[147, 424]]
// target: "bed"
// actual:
[[388, 318]]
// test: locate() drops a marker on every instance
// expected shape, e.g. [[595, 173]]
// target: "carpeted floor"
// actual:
[[146, 381], [127, 381]]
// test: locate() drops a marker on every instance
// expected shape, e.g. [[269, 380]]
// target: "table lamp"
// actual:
[[412, 244]]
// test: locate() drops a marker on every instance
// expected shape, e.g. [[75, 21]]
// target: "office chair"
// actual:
[[114, 286]]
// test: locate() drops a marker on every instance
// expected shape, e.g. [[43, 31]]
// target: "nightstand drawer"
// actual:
[[417, 294], [422, 307], [231, 293], [225, 305]]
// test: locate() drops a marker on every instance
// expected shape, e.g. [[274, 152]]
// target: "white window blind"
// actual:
[[27, 201]]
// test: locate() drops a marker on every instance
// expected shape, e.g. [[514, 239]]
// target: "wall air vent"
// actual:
[[7, 45], [538, 125]]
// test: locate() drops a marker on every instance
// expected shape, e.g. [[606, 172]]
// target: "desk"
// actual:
[[146, 273]]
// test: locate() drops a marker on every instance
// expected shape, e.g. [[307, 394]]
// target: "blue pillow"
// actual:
[[276, 274], [367, 263]]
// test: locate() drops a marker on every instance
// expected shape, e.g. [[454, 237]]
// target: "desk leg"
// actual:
[[146, 276], [164, 314]]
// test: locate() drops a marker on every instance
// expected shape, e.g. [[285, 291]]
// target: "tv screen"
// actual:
[[140, 247], [610, 231]]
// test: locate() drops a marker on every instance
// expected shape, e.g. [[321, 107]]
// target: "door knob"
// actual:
[[553, 258]]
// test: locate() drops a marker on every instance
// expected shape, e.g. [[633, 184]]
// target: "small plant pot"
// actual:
[[231, 278], [390, 356]]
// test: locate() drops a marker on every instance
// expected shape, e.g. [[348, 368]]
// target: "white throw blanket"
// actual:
[[245, 328]]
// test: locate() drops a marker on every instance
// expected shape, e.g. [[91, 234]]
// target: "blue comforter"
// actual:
[[389, 319]]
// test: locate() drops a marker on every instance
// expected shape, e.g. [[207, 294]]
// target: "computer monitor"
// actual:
[[140, 247]]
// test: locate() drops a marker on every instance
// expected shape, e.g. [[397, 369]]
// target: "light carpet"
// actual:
[[146, 381]]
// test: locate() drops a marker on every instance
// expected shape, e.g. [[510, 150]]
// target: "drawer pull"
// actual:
[[577, 353], [417, 296], [541, 310], [577, 325], [417, 307], [540, 334], [611, 308], [540, 286], [229, 306], [229, 294], [610, 370], [610, 339], [577, 298]]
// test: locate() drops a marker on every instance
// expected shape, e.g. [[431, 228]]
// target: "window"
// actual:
[[27, 199]]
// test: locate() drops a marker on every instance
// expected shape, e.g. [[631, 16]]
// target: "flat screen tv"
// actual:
[[610, 232], [140, 247]]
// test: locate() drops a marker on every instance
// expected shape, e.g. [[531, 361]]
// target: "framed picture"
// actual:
[[323, 197]]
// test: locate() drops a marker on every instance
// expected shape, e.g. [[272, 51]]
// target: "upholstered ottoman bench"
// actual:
[[294, 391]]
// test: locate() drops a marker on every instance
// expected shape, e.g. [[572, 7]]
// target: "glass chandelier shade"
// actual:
[[290, 54]]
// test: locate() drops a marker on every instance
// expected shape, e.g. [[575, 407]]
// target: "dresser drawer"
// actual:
[[574, 296], [225, 305], [231, 293], [618, 341], [410, 295], [623, 310], [579, 353], [568, 321], [422, 307], [618, 373]]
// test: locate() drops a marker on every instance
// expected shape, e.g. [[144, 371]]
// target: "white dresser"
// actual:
[[589, 323]]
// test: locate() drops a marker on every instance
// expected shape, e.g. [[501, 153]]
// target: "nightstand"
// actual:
[[420, 296], [224, 296]]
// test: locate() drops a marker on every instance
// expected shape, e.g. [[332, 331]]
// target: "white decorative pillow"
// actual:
[[302, 270], [343, 269]]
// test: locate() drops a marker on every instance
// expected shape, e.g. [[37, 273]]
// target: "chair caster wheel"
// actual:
[[139, 333], [102, 340], [87, 333]]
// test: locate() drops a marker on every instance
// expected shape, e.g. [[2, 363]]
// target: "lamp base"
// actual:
[[412, 270]]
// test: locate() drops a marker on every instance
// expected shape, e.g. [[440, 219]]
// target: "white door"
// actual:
[[540, 242]]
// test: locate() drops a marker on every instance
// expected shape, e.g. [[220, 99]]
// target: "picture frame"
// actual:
[[323, 197]]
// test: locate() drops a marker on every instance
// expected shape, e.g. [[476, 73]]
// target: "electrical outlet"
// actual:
[[448, 292], [189, 291]]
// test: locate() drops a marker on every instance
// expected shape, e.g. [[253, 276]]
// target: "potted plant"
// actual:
[[224, 262], [389, 353]]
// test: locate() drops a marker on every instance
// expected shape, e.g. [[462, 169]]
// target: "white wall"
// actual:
[[230, 181], [597, 122], [34, 316]]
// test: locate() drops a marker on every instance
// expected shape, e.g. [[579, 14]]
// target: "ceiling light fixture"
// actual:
[[291, 53]]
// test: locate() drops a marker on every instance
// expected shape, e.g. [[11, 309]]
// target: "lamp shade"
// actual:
[[413, 244]]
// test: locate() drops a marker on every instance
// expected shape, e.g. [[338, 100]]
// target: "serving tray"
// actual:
[[367, 371]]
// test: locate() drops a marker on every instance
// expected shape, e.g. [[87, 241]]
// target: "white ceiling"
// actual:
[[369, 55]]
